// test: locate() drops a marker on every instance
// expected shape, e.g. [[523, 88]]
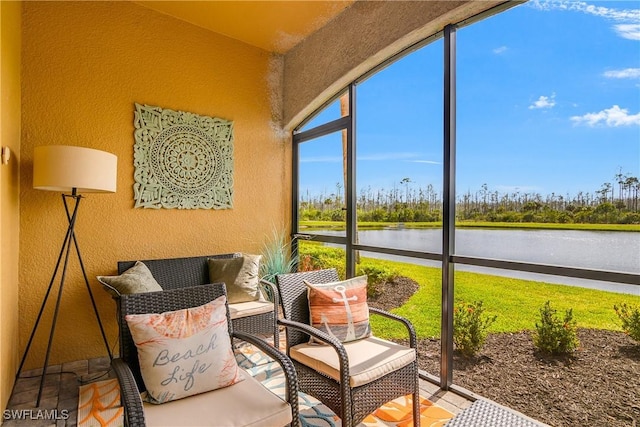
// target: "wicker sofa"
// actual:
[[255, 317]]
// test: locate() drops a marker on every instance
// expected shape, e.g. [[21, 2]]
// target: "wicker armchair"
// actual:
[[245, 403], [174, 273], [334, 374]]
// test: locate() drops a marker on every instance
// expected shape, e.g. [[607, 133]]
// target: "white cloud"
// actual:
[[628, 31], [612, 117], [608, 13], [388, 156], [544, 102], [581, 6], [627, 73], [628, 19], [500, 50], [429, 162]]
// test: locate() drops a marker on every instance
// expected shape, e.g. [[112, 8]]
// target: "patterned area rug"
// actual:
[[396, 413], [98, 404]]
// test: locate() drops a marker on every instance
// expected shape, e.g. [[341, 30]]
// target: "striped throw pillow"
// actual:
[[340, 308]]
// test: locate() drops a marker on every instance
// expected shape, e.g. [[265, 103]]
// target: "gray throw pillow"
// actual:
[[136, 280], [239, 274]]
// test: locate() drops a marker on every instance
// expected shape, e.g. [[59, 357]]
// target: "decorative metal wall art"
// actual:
[[182, 160]]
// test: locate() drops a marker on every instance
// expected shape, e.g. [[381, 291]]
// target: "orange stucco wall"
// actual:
[[10, 28], [84, 66]]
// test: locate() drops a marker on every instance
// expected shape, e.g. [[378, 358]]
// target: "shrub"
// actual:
[[314, 256], [470, 327], [554, 335], [377, 276], [306, 263], [630, 317]]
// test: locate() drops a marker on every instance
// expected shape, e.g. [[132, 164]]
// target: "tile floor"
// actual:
[[59, 402], [449, 400]]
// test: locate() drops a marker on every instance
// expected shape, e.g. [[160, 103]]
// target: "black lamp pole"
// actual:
[[65, 250]]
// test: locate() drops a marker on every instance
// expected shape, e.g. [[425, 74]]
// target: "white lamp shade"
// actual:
[[65, 167]]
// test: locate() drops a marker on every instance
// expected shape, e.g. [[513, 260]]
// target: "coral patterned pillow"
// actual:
[[184, 352], [340, 308]]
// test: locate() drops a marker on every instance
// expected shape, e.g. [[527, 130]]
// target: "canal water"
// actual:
[[596, 250]]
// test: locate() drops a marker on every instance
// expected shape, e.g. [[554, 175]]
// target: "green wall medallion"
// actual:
[[182, 160]]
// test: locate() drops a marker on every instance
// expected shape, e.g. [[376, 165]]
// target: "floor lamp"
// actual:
[[73, 170]]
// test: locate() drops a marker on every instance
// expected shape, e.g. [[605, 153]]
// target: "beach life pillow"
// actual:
[[240, 274], [340, 308], [184, 352], [135, 280]]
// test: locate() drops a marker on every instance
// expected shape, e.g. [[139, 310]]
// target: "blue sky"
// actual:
[[548, 101]]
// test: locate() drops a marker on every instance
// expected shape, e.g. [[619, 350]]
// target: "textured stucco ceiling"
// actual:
[[276, 26]]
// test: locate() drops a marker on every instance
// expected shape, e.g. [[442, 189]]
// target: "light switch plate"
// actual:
[[6, 155]]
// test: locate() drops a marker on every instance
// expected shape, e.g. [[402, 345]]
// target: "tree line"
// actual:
[[615, 202]]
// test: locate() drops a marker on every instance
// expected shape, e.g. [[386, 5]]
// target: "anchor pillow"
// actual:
[[340, 308]]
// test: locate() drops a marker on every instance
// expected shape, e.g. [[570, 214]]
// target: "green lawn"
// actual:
[[516, 302]]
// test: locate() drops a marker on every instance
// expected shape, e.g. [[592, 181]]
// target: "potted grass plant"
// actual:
[[277, 256]]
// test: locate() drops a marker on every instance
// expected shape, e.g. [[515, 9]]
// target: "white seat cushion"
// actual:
[[251, 308], [247, 403], [369, 359]]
